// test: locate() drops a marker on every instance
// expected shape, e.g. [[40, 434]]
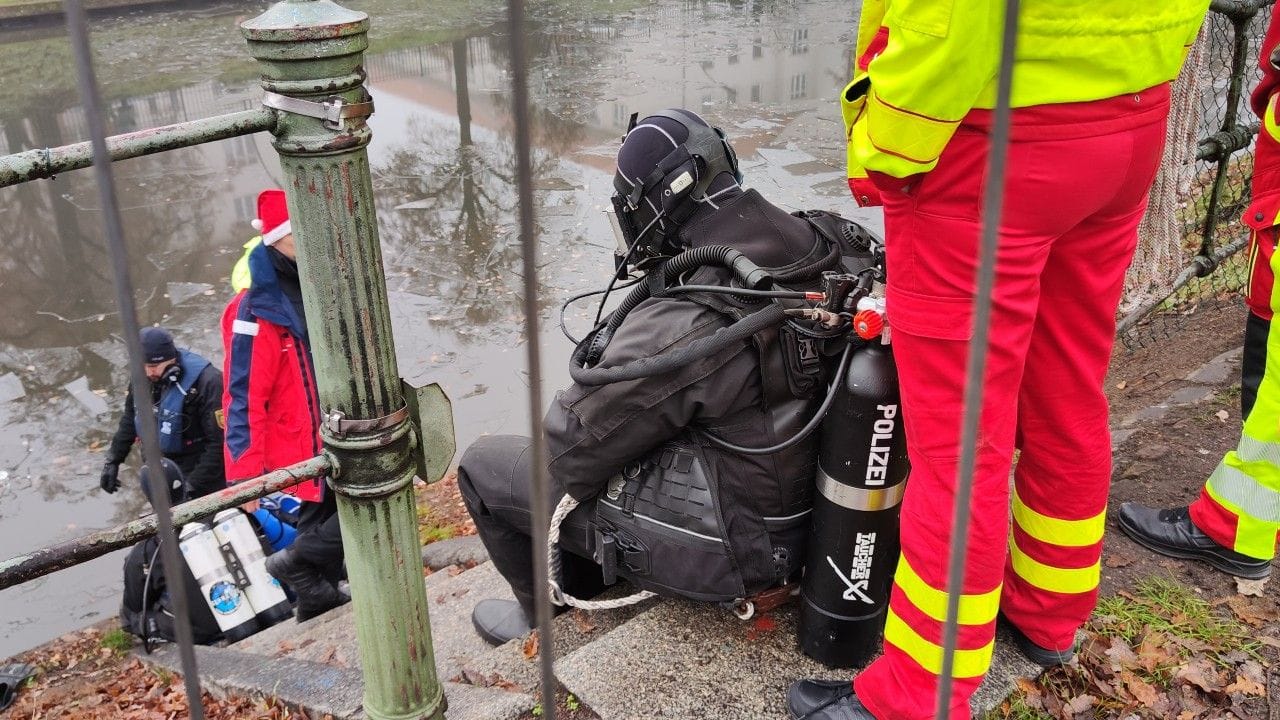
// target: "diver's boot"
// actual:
[[316, 595], [825, 700], [500, 621]]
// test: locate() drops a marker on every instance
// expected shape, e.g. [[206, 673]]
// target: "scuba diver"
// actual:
[[186, 390], [686, 435]]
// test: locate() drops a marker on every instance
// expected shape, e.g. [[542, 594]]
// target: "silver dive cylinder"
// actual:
[[218, 588], [247, 562]]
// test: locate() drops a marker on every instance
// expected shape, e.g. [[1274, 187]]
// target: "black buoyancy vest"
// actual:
[[688, 520]]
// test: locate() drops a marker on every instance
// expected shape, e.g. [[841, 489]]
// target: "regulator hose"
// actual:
[[746, 271], [803, 432], [701, 348]]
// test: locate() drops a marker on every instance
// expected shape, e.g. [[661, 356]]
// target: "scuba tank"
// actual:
[[278, 533], [219, 589], [240, 546], [862, 472]]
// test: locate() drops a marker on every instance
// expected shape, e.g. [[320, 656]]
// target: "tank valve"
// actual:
[[868, 324]]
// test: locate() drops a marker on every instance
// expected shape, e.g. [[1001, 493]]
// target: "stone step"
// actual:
[[694, 661], [509, 666], [322, 689]]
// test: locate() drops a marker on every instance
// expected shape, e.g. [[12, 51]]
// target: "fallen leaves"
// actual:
[[1159, 651], [1251, 588], [529, 648], [78, 679]]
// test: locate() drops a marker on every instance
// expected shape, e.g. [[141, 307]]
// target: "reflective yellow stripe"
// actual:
[[974, 609], [1071, 581], [1066, 533], [1255, 538], [907, 142], [1269, 119], [1253, 450], [967, 663], [1246, 488]]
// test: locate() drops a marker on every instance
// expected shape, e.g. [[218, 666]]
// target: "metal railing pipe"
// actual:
[[1224, 143], [47, 162], [20, 569], [540, 505], [312, 54]]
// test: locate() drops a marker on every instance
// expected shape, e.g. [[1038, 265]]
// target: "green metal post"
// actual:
[[313, 50]]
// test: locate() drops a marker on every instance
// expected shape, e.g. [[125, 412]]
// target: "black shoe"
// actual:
[[316, 595], [500, 621], [825, 700], [1040, 655], [1171, 532]]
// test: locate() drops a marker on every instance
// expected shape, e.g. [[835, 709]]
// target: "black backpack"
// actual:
[[146, 609]]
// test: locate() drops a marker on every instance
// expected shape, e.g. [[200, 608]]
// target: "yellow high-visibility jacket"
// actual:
[[942, 59], [241, 278]]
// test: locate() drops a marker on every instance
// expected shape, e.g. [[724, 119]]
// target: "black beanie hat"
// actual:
[[157, 345]]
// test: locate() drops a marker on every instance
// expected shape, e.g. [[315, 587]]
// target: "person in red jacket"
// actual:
[[272, 408]]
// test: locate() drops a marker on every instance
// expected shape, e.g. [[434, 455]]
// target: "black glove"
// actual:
[[109, 481]]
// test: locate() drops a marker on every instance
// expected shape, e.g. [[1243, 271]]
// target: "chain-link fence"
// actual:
[[1189, 255]]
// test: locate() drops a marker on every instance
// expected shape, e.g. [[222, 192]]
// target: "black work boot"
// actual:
[[316, 595], [500, 621], [825, 700], [1038, 654], [1171, 532]]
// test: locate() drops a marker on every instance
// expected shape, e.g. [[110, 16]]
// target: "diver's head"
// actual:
[[669, 163]]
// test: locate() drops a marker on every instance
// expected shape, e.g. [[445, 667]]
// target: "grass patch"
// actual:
[[117, 641], [1160, 605], [1016, 708], [1158, 650]]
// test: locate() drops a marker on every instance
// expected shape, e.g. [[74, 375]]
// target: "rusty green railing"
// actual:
[[311, 54]]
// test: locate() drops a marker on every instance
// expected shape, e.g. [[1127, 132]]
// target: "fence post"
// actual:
[[313, 51]]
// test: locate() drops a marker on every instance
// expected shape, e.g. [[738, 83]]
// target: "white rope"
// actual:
[[558, 596]]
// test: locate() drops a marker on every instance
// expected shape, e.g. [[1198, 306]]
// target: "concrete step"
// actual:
[[509, 666], [696, 661], [330, 638], [322, 689], [665, 658]]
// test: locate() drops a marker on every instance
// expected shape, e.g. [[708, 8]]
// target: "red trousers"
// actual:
[[1076, 187]]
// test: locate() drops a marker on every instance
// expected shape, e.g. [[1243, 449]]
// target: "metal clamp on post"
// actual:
[[332, 110], [338, 425]]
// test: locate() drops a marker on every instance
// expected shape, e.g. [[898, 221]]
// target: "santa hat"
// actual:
[[273, 216]]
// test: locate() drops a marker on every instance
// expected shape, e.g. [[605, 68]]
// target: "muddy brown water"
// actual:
[[768, 72]]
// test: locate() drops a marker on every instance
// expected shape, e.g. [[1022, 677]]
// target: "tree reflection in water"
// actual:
[[447, 208]]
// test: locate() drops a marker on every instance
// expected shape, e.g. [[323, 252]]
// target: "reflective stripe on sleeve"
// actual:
[[244, 327]]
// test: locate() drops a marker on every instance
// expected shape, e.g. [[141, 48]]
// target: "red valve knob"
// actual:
[[868, 324]]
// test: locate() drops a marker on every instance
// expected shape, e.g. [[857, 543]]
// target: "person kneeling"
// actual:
[[643, 438]]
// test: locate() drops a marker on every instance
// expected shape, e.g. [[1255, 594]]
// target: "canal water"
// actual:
[[768, 72]]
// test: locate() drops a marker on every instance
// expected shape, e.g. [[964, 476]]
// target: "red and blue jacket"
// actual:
[[1263, 214], [270, 401]]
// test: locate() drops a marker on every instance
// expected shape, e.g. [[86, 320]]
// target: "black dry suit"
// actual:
[[675, 513]]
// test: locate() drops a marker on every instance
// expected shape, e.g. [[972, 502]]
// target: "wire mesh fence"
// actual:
[[1190, 254]]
